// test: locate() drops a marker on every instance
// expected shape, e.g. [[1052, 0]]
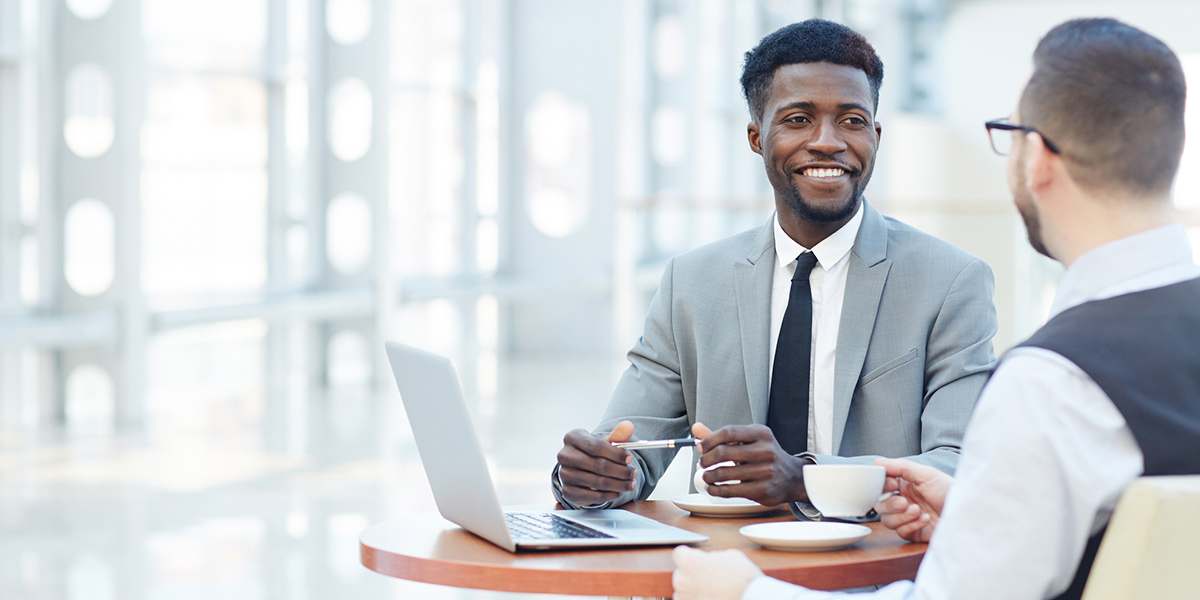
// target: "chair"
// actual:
[[1151, 550]]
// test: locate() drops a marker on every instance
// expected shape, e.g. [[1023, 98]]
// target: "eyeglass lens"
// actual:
[[1002, 141]]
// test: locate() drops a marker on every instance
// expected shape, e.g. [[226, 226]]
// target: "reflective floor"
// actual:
[[99, 515]]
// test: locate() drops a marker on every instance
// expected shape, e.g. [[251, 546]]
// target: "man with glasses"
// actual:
[[828, 334], [1107, 391]]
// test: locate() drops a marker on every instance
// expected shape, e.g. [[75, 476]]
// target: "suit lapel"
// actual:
[[865, 278], [752, 285]]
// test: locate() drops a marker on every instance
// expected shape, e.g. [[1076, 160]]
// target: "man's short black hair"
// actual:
[[1111, 97], [811, 41]]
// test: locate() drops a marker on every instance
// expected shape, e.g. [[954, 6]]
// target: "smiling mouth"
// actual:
[[823, 172]]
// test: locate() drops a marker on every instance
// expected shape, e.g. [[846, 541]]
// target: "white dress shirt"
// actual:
[[1045, 456], [828, 284]]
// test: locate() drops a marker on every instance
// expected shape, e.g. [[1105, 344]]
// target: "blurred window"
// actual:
[[426, 138], [670, 141], [90, 400], [88, 247], [88, 10], [558, 178], [349, 361], [350, 119], [216, 35], [670, 47], [347, 218], [348, 21], [204, 186], [88, 126]]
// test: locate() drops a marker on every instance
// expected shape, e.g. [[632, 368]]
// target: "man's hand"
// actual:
[[914, 512], [768, 475], [701, 575], [592, 470]]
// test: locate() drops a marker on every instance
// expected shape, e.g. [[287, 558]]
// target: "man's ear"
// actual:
[[753, 134], [1042, 166]]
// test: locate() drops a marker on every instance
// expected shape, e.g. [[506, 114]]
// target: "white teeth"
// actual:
[[821, 173]]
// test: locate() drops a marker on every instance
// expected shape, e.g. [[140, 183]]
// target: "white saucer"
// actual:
[[805, 536], [701, 506]]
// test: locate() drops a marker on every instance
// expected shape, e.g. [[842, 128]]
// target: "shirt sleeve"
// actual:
[[767, 588], [1045, 459]]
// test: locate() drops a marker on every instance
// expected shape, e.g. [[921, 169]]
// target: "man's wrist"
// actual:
[[804, 458]]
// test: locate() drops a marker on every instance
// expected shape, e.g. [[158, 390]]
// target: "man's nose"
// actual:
[[827, 139]]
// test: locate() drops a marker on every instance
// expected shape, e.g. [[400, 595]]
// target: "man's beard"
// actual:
[[1033, 225], [823, 214]]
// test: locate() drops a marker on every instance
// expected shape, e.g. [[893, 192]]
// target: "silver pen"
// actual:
[[646, 444]]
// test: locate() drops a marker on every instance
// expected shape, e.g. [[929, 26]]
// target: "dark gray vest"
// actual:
[[1143, 350]]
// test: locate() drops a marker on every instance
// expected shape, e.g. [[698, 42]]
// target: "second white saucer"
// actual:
[[702, 506], [810, 536]]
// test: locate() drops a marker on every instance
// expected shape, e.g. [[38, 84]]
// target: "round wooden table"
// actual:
[[429, 549]]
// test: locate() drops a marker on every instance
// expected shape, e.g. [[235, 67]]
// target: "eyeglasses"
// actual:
[[1002, 142]]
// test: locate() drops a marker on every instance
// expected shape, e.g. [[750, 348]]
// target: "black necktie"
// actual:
[[787, 410]]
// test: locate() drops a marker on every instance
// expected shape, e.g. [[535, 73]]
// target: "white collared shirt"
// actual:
[[1045, 456], [828, 284]]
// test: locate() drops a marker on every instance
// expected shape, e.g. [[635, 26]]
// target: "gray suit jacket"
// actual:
[[914, 347]]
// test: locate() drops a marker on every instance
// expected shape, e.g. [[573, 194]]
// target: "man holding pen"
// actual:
[[829, 334]]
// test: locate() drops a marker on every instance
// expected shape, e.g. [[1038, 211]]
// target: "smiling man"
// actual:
[[830, 334]]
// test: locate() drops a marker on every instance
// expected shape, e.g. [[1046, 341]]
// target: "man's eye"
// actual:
[[855, 121], [796, 119]]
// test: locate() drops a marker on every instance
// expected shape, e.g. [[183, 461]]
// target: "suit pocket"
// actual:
[[888, 367]]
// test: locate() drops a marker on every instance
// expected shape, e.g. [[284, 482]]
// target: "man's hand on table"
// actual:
[[766, 473], [592, 470], [721, 575], [914, 512]]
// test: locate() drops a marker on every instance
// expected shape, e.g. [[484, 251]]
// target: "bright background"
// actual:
[[213, 213]]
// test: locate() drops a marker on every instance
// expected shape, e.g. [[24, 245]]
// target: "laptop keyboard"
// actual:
[[548, 526]]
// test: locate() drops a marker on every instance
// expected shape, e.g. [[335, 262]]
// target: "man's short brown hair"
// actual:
[[1111, 97]]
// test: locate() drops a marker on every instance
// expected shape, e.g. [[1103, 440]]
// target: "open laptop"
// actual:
[[463, 487]]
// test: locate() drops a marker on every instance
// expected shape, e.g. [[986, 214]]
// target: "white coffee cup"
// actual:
[[844, 490], [702, 487]]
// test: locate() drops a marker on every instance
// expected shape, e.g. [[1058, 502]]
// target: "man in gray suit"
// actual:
[[878, 347]]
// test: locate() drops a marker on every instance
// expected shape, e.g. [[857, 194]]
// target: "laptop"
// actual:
[[462, 486]]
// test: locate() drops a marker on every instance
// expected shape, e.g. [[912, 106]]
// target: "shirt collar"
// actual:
[[829, 250], [1099, 271]]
